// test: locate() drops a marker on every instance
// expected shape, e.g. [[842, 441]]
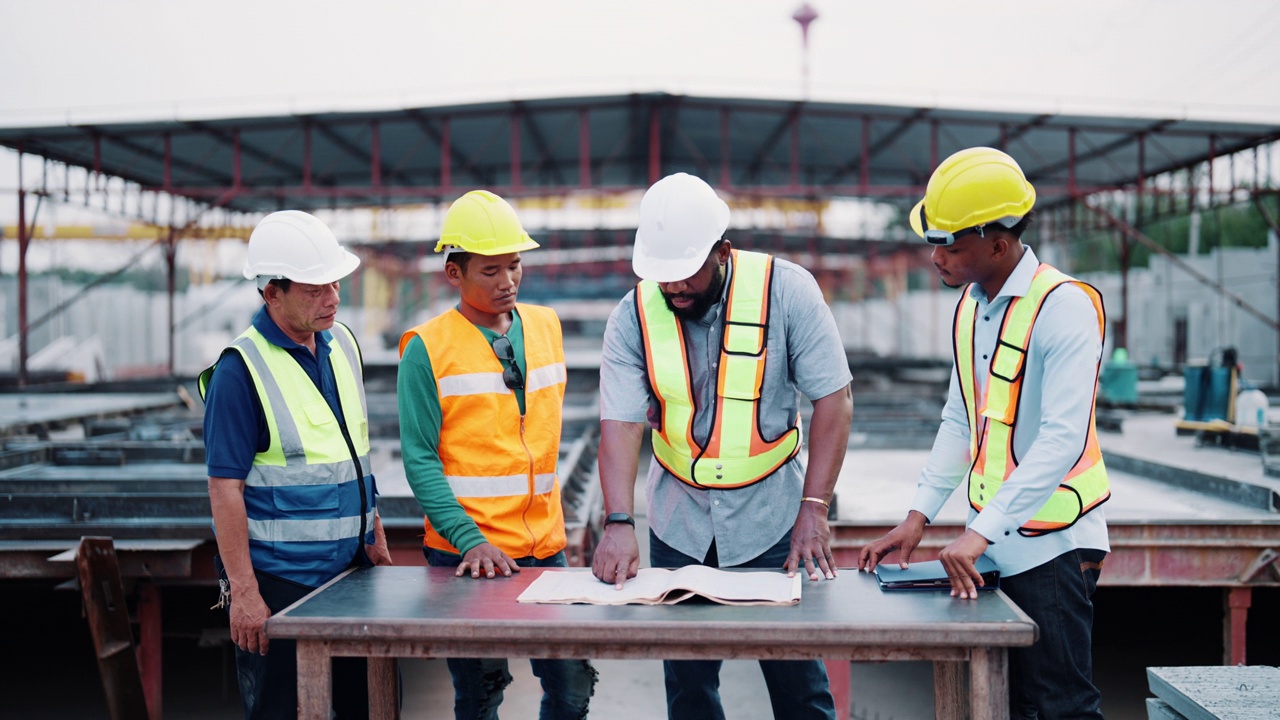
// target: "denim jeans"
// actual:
[[567, 685], [798, 689], [269, 683], [1053, 679]]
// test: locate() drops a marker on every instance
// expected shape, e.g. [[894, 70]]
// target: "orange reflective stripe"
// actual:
[[485, 445], [1086, 485], [736, 455]]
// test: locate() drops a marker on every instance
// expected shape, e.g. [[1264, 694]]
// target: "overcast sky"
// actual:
[[66, 60], [88, 60]]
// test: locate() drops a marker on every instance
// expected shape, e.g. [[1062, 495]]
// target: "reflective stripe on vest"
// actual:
[[735, 455], [992, 421], [501, 466], [308, 497]]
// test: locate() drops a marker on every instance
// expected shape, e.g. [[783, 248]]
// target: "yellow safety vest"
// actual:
[[309, 496], [500, 464], [992, 422], [735, 455]]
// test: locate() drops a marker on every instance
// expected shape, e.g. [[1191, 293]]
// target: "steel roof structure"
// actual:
[[553, 146], [748, 148]]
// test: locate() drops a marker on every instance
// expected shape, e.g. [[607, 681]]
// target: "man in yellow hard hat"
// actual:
[[1018, 426], [710, 354], [287, 447], [480, 392]]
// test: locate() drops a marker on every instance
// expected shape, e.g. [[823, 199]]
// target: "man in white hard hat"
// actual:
[[481, 388], [1018, 426], [287, 448], [711, 353]]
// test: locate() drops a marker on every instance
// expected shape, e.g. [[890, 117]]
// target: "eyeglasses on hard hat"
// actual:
[[511, 375], [944, 238]]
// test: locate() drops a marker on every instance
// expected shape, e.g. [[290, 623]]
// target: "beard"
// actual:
[[702, 302]]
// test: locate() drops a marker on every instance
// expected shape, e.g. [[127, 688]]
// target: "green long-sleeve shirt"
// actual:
[[420, 422]]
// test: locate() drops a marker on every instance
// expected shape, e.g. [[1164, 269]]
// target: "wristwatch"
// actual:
[[619, 517]]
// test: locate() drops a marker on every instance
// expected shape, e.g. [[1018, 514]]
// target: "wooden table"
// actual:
[[387, 612]]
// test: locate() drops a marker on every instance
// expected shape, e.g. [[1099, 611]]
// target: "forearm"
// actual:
[[226, 500], [828, 442], [420, 423], [619, 463]]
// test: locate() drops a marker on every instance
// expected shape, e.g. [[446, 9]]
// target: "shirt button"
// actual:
[[984, 357], [719, 466], [982, 486], [985, 318], [715, 502], [1006, 532], [719, 477]]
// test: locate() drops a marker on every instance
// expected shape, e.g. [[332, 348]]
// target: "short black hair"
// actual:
[[1019, 228], [459, 258], [1023, 224], [283, 283]]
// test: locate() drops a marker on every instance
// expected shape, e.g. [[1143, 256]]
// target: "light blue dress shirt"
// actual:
[[805, 357], [1057, 400]]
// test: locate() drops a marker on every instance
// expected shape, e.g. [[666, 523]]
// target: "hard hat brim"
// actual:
[[319, 276], [527, 244], [914, 219], [664, 270]]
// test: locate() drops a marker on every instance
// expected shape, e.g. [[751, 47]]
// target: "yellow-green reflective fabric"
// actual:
[[735, 455]]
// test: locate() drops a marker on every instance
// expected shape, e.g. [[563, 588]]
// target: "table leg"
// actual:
[[950, 699], [315, 683], [383, 696], [839, 677], [989, 683]]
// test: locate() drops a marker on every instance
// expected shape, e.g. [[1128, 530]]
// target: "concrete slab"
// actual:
[[1226, 693]]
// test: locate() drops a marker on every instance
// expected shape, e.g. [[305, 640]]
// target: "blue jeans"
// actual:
[[798, 689], [269, 683], [1054, 678], [567, 685]]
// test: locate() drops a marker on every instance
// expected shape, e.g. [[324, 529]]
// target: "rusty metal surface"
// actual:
[[847, 616], [1142, 554]]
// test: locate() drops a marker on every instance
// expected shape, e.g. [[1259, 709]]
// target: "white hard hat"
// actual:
[[681, 219], [298, 246]]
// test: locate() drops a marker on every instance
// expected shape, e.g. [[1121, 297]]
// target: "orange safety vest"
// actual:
[[500, 464], [992, 422], [735, 454]]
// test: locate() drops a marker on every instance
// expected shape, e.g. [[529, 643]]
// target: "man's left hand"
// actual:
[[811, 543], [958, 559]]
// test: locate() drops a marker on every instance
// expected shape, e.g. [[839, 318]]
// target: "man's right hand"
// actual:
[[904, 538], [248, 619], [617, 557], [485, 560]]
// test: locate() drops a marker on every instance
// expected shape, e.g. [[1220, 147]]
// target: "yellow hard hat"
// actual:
[[970, 189], [485, 224]]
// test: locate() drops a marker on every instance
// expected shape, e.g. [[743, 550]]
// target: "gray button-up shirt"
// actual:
[[806, 356]]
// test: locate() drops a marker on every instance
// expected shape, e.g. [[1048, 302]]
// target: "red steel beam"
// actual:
[[655, 145], [22, 277], [726, 151], [375, 154], [864, 164], [306, 156], [795, 151], [515, 151], [584, 148], [446, 161]]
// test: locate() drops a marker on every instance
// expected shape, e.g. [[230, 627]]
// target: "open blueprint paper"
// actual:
[[661, 586]]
